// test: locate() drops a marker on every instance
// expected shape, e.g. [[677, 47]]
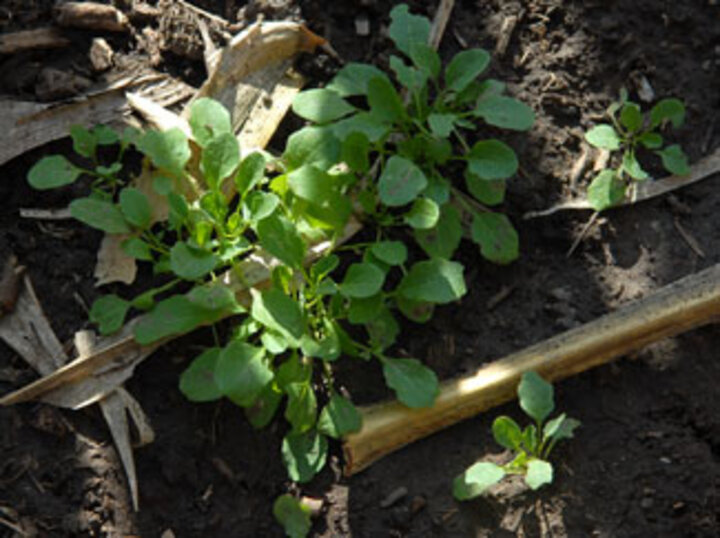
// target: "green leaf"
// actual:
[[220, 158], [487, 191], [362, 280], [383, 329], [353, 79], [426, 58], [321, 191], [492, 159], [259, 205], [536, 396], [191, 263], [215, 296], [672, 110], [423, 214], [505, 112], [606, 190], [197, 382], [465, 67], [84, 141], [304, 455], [385, 101], [372, 126], [137, 248], [410, 77], [560, 428], [51, 172], [441, 124], [178, 210], [324, 266], [496, 236], [162, 185], [603, 136], [539, 473], [312, 145], [281, 239], [355, 152], [390, 252], [631, 117], [293, 516], [476, 480], [339, 417], [263, 409], [242, 372], [301, 409], [407, 29], [99, 214], [208, 119], [417, 311], [167, 150], [507, 433], [414, 384], [135, 207], [364, 310], [400, 182], [632, 166], [278, 312], [109, 313], [530, 439], [444, 239], [433, 281], [175, 315], [651, 140], [250, 173], [321, 105], [105, 135], [674, 160]]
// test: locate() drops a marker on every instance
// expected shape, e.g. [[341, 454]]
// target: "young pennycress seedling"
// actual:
[[531, 447], [629, 132]]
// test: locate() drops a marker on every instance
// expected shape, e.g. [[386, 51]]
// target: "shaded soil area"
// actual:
[[646, 461]]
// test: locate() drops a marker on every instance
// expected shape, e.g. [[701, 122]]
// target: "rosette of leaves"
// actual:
[[418, 134], [630, 132], [531, 446]]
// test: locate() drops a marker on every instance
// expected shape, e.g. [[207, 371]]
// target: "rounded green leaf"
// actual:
[[339, 417], [539, 473], [109, 313], [191, 263], [536, 396], [362, 280], [631, 117], [492, 159], [278, 312], [672, 110], [364, 310], [99, 214], [632, 167], [136, 207], [417, 311], [426, 59], [263, 409], [167, 150], [507, 433], [355, 152], [496, 236], [259, 205], [215, 296], [293, 516], [301, 409], [175, 315], [674, 160], [250, 172], [465, 67], [603, 136], [162, 185], [505, 112], [390, 252], [423, 214], [51, 172], [242, 372], [312, 145], [476, 480], [414, 384], [220, 158], [443, 240], [605, 191], [651, 140], [280, 238], [353, 78], [84, 141], [304, 454], [441, 124], [407, 29], [208, 118], [383, 329], [137, 248], [433, 281], [385, 101], [197, 382], [321, 105], [400, 182]]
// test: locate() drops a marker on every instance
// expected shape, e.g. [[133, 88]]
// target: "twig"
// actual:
[[689, 239], [506, 31], [12, 526], [40, 38], [582, 234], [45, 214], [442, 16], [579, 167]]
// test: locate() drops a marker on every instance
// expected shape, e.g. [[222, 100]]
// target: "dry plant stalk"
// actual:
[[683, 305]]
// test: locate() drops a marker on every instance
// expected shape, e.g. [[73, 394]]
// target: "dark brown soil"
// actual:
[[646, 461]]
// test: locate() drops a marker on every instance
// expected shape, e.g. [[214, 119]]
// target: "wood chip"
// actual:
[[91, 16], [38, 39], [101, 55], [506, 31], [113, 263], [10, 283]]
